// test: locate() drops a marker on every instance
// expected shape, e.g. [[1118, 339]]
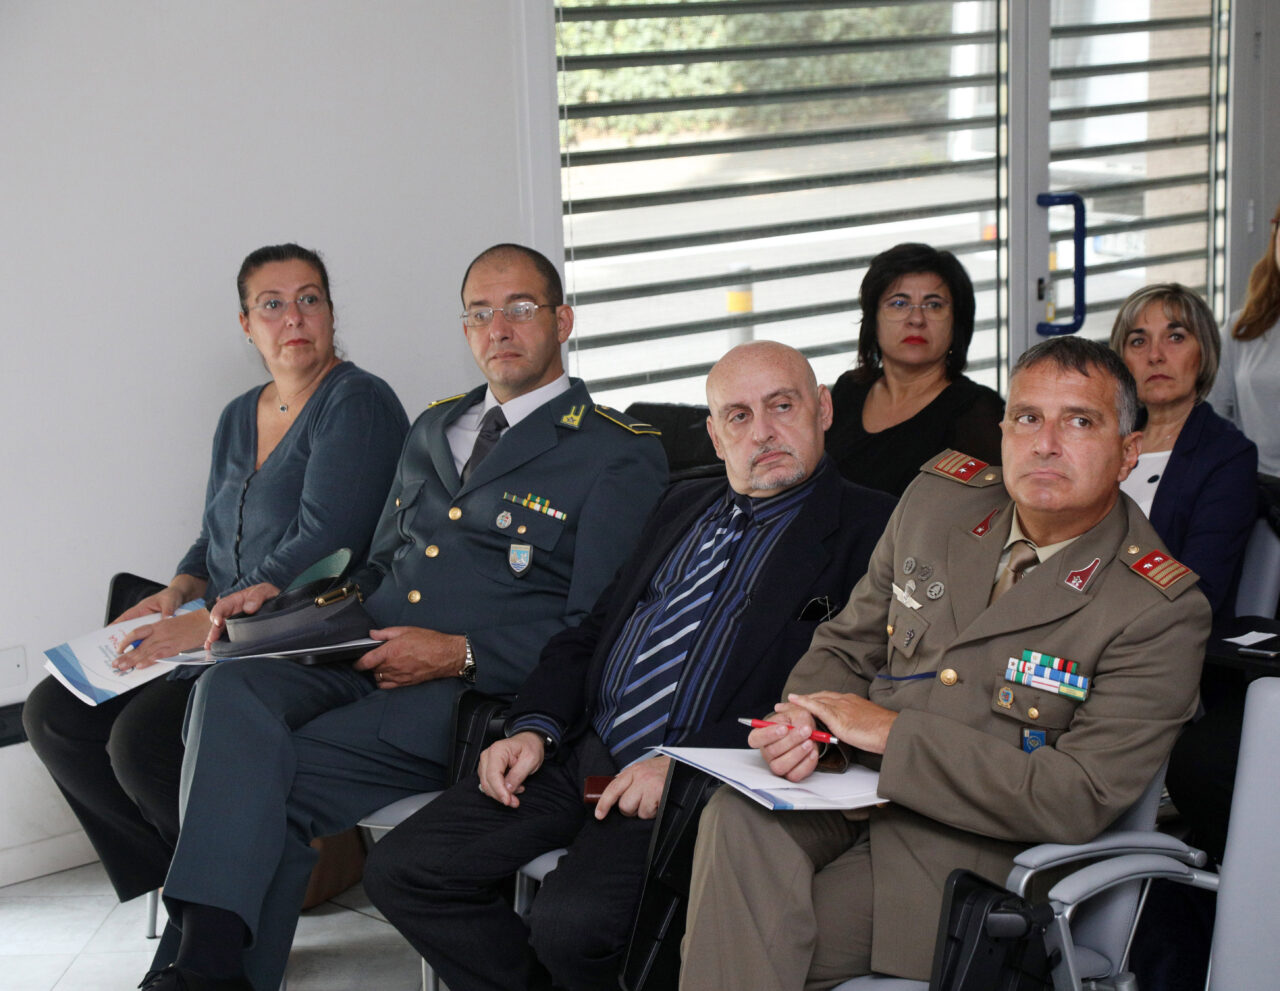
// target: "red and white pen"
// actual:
[[817, 734]]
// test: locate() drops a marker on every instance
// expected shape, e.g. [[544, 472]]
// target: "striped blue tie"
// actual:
[[646, 701]]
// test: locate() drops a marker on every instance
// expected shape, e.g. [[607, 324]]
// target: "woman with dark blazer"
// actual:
[[1196, 478]]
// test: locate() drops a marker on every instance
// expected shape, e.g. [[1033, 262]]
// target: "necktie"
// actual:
[[1022, 554], [645, 705], [491, 427]]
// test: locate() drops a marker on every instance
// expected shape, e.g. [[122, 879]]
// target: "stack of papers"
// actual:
[[745, 770]]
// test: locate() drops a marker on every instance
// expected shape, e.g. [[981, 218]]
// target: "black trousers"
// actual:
[[439, 878], [118, 764]]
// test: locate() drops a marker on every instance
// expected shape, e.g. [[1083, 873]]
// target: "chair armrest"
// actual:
[[1096, 878], [1045, 856]]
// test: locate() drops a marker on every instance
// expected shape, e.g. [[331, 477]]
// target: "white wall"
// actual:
[[145, 148]]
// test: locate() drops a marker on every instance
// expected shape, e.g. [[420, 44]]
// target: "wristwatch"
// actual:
[[468, 672]]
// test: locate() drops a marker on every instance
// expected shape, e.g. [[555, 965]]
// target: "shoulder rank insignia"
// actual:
[[960, 467], [450, 399], [1160, 569], [627, 423]]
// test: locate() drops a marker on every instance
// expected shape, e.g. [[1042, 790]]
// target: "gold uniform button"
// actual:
[[989, 477], [455, 513], [1133, 548], [397, 501], [521, 528], [1033, 713], [432, 550], [889, 629], [415, 596], [949, 677]]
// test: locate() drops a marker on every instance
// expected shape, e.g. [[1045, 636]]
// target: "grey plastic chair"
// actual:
[[380, 823], [1259, 588], [1245, 952]]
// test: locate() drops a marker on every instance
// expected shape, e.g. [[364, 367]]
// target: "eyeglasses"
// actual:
[[275, 308], [900, 309], [521, 312]]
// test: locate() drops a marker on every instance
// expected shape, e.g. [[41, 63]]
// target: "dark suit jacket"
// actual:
[[1206, 503], [823, 554]]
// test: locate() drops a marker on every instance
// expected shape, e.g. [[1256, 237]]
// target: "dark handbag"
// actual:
[[989, 939], [317, 611]]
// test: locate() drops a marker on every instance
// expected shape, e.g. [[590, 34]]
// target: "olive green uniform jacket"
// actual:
[[968, 777]]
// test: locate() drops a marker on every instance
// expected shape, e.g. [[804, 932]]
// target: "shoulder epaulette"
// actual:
[[450, 399], [627, 423], [1162, 570], [960, 467]]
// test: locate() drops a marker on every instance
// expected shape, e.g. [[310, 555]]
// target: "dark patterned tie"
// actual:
[[491, 427], [645, 705]]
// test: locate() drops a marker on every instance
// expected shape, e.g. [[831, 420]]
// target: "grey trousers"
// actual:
[[779, 901], [277, 754]]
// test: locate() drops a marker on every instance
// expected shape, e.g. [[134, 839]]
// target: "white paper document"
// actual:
[[83, 665], [745, 770], [1246, 639]]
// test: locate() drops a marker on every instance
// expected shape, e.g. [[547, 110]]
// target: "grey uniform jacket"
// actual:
[[473, 559], [965, 772]]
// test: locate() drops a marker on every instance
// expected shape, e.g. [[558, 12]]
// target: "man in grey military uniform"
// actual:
[[946, 670], [511, 509]]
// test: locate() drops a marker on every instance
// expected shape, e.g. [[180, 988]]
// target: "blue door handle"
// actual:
[[1077, 276]]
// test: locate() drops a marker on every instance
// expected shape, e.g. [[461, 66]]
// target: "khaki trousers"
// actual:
[[779, 901]]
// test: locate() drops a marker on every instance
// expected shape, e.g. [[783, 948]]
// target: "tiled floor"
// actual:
[[67, 932]]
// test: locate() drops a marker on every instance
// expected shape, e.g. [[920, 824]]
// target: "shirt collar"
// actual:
[[518, 408], [1042, 553]]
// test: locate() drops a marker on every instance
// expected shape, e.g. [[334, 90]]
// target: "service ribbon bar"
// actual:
[[1046, 679], [1049, 661], [536, 503]]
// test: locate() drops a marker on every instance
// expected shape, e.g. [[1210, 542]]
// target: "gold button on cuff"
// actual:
[[521, 528], [415, 596], [432, 550], [1133, 548], [948, 677], [455, 513], [1033, 713], [889, 629]]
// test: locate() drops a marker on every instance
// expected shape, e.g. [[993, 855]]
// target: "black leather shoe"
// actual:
[[175, 978]]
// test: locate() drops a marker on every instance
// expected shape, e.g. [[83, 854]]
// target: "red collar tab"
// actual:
[[1079, 579], [983, 528]]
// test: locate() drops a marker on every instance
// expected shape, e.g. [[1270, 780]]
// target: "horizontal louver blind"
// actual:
[[729, 169]]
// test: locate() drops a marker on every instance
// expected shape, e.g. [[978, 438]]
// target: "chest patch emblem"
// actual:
[[519, 557]]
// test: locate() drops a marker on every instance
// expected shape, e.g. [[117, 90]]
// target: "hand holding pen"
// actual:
[[817, 735]]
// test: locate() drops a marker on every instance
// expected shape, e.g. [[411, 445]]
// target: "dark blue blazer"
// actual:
[[1206, 503], [819, 559]]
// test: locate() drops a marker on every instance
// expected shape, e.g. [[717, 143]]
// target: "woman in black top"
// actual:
[[907, 401]]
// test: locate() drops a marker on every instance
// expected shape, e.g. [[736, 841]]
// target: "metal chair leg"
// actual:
[[153, 907]]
